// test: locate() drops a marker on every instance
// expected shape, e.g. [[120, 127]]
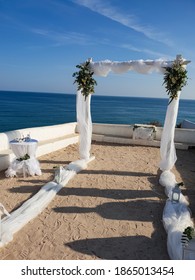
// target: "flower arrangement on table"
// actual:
[[175, 78], [84, 79], [23, 139]]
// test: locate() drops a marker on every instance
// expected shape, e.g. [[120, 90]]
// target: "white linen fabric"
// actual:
[[29, 166], [176, 217], [102, 68], [22, 148], [84, 124], [3, 211], [35, 205], [167, 180], [167, 148]]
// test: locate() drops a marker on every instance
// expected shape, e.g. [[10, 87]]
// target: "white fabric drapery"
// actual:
[[167, 148], [29, 166], [176, 217], [102, 68], [14, 221], [84, 124]]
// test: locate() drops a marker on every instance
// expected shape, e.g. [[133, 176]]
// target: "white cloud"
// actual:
[[127, 20]]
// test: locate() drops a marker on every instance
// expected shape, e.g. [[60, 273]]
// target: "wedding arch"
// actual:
[[173, 85], [176, 216]]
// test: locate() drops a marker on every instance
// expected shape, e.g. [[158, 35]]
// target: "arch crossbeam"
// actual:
[[103, 68]]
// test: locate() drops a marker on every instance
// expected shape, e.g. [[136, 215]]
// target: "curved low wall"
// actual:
[[52, 138], [42, 133], [124, 133]]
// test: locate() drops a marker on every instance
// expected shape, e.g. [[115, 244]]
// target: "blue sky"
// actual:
[[43, 40]]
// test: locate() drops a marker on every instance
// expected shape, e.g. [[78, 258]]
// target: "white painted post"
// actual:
[[179, 59]]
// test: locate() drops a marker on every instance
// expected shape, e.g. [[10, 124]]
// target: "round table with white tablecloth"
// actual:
[[25, 161]]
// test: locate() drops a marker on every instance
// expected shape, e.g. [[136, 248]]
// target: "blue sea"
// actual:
[[31, 109]]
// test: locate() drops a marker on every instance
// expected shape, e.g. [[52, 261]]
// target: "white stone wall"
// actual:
[[52, 138], [119, 130], [185, 136]]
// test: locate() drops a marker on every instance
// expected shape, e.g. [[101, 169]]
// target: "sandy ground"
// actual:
[[111, 210]]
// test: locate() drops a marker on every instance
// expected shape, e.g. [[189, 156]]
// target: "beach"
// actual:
[[112, 210]]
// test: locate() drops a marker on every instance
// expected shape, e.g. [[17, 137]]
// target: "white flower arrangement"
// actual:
[[23, 139]]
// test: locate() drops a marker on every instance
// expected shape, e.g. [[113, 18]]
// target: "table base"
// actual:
[[26, 167]]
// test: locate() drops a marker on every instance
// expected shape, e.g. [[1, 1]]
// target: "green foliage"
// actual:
[[25, 157], [175, 78], [189, 231], [84, 79]]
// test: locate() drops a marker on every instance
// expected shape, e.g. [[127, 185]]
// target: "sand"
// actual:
[[112, 210]]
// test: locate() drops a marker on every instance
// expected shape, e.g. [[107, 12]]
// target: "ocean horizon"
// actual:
[[20, 109]]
